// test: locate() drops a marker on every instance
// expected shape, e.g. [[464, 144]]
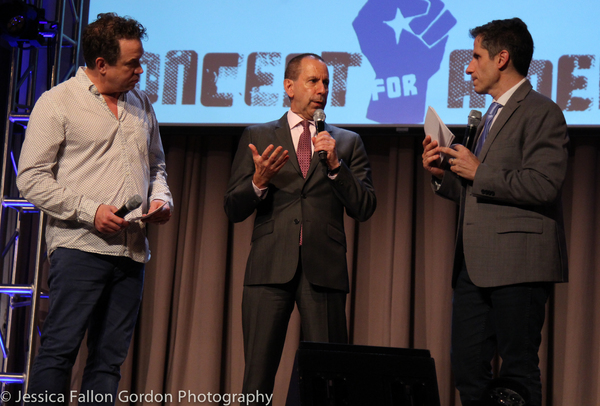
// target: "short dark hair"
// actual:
[[100, 39], [511, 35], [292, 70]]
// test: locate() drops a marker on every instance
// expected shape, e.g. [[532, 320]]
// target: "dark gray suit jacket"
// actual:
[[510, 224], [317, 202]]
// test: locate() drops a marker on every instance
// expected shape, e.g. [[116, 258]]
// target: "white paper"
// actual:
[[435, 127], [145, 216]]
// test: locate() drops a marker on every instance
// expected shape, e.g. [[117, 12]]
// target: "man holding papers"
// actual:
[[510, 245]]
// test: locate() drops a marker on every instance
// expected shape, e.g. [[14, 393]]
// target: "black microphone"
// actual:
[[132, 204], [474, 120], [319, 117]]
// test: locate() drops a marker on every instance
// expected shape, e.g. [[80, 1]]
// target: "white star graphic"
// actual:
[[399, 23]]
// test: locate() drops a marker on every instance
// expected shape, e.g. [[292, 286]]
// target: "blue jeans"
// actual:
[[93, 292], [507, 320]]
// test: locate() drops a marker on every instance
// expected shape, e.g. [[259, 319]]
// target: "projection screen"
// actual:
[[222, 62]]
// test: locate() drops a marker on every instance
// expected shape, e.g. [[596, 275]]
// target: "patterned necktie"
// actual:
[[304, 155], [491, 113], [304, 150]]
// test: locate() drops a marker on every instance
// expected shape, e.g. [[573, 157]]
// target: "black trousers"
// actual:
[[507, 320], [266, 311]]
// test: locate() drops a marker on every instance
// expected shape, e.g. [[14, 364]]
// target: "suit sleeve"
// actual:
[[354, 186], [531, 173], [449, 187], [241, 199]]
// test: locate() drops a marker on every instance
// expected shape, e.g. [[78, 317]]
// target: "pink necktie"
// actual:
[[304, 150], [304, 155]]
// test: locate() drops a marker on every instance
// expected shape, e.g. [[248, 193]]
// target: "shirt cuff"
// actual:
[[332, 174], [87, 211], [261, 193]]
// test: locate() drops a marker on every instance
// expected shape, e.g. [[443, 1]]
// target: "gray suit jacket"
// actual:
[[510, 224], [317, 202]]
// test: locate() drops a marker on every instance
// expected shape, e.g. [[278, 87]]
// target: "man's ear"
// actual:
[[288, 85], [101, 65], [502, 59]]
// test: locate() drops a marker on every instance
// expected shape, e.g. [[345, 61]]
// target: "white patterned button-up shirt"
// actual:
[[78, 155]]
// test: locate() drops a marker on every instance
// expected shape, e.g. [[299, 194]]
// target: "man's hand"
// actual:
[[431, 157], [161, 216], [268, 164], [462, 161], [106, 222], [325, 142]]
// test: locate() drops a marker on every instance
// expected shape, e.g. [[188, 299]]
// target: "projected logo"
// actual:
[[404, 40], [263, 71]]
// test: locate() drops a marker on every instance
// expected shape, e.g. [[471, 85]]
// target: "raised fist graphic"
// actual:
[[404, 40]]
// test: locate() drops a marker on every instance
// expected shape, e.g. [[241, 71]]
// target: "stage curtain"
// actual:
[[188, 340]]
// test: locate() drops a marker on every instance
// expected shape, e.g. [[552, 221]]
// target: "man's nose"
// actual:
[[470, 68], [322, 88]]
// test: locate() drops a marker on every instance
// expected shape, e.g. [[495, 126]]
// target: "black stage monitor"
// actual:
[[356, 375]]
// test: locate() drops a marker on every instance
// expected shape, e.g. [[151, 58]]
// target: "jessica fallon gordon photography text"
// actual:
[[188, 397]]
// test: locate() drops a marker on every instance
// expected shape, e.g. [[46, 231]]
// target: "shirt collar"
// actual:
[[83, 78], [294, 119], [85, 81], [508, 94]]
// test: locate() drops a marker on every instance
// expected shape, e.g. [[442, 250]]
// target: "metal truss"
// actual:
[[21, 224]]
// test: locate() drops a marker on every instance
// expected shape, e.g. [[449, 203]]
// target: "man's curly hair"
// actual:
[[101, 38]]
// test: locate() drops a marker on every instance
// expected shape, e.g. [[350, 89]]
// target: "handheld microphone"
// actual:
[[132, 204], [474, 120], [319, 117]]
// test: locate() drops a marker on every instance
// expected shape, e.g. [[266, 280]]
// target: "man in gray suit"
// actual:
[[510, 245], [298, 250]]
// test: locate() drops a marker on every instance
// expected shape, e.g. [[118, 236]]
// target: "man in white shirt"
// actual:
[[92, 143]]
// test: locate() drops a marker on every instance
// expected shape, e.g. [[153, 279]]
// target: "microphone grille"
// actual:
[[474, 118], [319, 115], [134, 202]]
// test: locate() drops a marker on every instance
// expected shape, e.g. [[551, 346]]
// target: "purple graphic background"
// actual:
[[404, 66]]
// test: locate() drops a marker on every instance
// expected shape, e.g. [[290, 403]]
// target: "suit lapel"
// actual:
[[507, 111], [284, 137]]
